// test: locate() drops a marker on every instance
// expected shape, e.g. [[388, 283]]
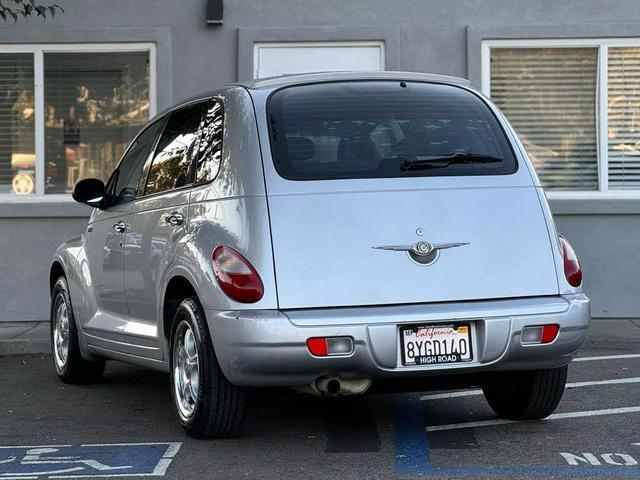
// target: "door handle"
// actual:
[[174, 219], [120, 227]]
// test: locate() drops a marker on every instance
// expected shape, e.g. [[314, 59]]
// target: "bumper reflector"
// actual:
[[549, 333], [330, 346], [539, 334]]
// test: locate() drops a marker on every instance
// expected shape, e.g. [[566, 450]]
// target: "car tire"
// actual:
[[213, 407], [65, 343], [527, 395]]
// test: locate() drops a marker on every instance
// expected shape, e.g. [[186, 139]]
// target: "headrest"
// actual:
[[300, 149]]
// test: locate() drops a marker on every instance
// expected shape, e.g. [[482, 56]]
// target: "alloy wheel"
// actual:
[[186, 370], [61, 332]]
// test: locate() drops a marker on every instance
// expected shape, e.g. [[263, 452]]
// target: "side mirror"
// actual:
[[90, 191]]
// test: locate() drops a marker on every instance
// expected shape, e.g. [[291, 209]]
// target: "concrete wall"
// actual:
[[437, 36], [607, 248], [27, 252]]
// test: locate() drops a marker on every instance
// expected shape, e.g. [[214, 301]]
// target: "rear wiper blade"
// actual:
[[443, 161]]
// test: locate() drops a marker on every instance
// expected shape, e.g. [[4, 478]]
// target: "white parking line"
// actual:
[[442, 396], [470, 393], [555, 416], [34, 446], [614, 381], [607, 357], [173, 449]]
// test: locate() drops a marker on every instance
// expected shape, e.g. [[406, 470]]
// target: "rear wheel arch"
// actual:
[[210, 407], [178, 288], [56, 271]]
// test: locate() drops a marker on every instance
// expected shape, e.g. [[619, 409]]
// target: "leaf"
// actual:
[[27, 8]]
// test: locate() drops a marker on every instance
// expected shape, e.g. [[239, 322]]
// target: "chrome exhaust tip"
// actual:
[[336, 386]]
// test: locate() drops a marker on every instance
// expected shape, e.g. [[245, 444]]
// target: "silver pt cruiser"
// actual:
[[328, 232]]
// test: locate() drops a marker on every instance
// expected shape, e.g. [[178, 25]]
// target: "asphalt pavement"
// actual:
[[124, 427]]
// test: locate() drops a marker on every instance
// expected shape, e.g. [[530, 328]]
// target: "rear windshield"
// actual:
[[386, 129]]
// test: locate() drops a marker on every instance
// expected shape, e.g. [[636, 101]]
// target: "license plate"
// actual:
[[436, 344]]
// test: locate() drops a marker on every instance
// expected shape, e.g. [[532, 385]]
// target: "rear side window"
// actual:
[[208, 151], [170, 167], [384, 129]]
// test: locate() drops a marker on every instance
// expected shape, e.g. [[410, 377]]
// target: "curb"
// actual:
[[24, 338], [25, 347]]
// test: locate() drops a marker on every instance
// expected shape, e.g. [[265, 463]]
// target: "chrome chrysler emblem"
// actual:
[[423, 253], [423, 248]]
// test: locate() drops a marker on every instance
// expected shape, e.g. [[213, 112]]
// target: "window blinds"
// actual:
[[549, 96], [17, 134], [624, 117]]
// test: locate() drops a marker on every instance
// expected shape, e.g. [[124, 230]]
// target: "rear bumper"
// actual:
[[268, 347]]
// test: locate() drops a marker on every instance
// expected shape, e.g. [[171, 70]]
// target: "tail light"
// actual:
[[330, 346], [572, 270], [236, 276], [539, 334]]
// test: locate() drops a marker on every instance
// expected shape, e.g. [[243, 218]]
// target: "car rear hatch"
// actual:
[[382, 194]]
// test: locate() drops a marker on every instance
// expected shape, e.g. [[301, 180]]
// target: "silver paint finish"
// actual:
[[102, 260], [150, 248], [231, 210], [288, 80], [311, 244], [502, 216], [325, 259], [246, 338]]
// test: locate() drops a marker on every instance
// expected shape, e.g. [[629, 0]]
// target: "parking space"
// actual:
[[595, 432]]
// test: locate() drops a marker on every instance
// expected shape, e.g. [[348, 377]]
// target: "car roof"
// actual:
[[304, 78], [287, 80]]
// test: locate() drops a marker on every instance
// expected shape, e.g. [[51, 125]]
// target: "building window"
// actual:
[[575, 105], [281, 58], [623, 133], [17, 124], [69, 111]]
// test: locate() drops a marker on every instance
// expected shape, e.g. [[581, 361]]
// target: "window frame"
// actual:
[[165, 118], [146, 169], [38, 51], [602, 99], [111, 183], [194, 164]]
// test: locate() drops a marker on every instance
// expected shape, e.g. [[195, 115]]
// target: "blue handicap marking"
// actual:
[[412, 452], [73, 461]]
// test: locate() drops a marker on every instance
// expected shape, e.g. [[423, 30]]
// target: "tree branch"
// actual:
[[14, 9]]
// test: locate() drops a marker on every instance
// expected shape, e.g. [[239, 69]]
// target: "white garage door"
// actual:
[[273, 59]]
